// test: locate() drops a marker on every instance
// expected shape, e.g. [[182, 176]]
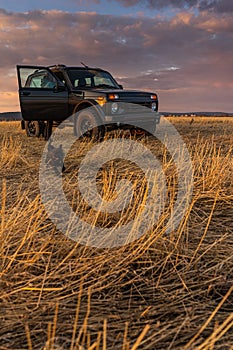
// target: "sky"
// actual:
[[180, 49]]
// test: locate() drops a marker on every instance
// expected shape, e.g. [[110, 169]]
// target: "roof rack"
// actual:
[[57, 66]]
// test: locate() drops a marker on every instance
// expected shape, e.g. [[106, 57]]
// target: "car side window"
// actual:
[[35, 82], [42, 80]]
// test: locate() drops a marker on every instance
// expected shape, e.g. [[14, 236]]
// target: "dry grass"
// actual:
[[160, 292]]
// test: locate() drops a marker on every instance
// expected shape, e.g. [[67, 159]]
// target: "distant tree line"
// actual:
[[10, 116], [197, 114]]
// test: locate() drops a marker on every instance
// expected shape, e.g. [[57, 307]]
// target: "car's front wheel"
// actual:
[[87, 124]]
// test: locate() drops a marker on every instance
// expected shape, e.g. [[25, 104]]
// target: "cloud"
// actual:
[[158, 3], [221, 6], [175, 57], [81, 2]]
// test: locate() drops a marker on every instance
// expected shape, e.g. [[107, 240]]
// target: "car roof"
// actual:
[[64, 67], [57, 67]]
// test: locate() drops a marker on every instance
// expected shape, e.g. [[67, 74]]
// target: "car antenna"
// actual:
[[84, 65]]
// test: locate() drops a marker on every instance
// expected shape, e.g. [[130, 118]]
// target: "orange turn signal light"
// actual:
[[113, 97], [101, 100]]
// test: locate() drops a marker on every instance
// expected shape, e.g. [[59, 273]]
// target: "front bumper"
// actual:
[[140, 120]]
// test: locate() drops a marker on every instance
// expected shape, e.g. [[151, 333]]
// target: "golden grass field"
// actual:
[[164, 292]]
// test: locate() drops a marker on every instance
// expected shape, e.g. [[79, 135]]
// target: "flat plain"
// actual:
[[159, 292]]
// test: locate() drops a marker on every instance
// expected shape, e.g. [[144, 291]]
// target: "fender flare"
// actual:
[[89, 103]]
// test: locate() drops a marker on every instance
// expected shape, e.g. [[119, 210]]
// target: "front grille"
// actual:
[[135, 107]]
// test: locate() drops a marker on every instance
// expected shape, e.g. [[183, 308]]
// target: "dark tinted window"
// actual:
[[91, 78]]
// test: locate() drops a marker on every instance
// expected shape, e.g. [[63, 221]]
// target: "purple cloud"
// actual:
[[158, 3], [221, 6], [188, 56]]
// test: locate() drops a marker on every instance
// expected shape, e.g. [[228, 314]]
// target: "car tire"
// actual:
[[87, 124], [33, 128]]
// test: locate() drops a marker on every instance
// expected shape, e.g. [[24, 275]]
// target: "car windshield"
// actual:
[[91, 78]]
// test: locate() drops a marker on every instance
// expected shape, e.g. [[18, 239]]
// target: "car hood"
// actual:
[[123, 94]]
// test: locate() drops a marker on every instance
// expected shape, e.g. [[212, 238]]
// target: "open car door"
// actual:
[[42, 95]]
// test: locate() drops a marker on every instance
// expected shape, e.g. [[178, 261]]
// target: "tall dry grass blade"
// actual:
[[105, 334], [76, 315], [43, 281], [188, 345], [93, 346], [29, 341], [125, 345], [54, 328], [140, 338], [206, 227], [83, 329], [49, 335], [217, 334], [3, 206]]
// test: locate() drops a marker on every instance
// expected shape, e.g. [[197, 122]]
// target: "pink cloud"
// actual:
[[174, 57]]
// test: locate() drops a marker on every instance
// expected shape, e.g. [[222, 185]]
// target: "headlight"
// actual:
[[115, 107], [154, 106]]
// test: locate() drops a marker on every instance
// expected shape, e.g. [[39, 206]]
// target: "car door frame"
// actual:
[[41, 103]]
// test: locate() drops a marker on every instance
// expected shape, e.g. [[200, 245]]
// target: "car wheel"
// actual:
[[33, 128], [87, 125]]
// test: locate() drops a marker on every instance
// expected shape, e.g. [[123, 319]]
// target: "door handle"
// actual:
[[25, 93]]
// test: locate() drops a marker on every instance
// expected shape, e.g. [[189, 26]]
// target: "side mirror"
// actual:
[[121, 86]]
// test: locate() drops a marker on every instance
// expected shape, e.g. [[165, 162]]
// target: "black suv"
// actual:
[[49, 95]]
